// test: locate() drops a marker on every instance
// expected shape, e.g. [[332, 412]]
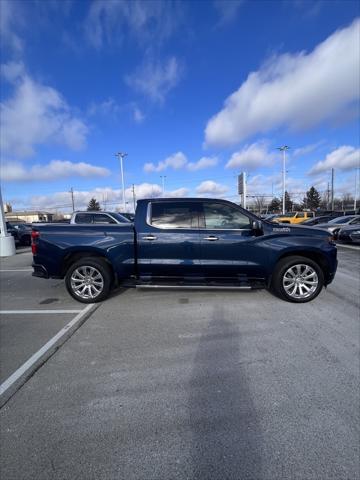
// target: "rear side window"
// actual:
[[83, 218], [173, 215], [219, 216], [102, 218]]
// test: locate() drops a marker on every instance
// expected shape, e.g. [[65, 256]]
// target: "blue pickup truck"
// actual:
[[186, 243]]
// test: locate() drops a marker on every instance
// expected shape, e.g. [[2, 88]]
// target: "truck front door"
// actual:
[[229, 245]]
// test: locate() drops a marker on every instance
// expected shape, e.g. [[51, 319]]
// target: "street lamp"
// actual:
[[163, 183], [283, 150], [121, 156]]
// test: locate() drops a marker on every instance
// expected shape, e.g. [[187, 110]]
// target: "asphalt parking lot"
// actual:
[[182, 385]]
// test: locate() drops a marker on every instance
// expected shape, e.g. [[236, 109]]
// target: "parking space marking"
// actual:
[[18, 270], [348, 246], [32, 312], [23, 373]]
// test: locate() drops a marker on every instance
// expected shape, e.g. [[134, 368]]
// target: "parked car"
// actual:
[[186, 243], [129, 216], [294, 217], [334, 225], [20, 231], [97, 217], [316, 220], [349, 234]]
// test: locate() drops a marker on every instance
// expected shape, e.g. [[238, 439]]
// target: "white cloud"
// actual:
[[252, 156], [106, 107], [155, 79], [343, 158], [227, 10], [179, 160], [209, 187], [176, 161], [56, 169], [148, 22], [37, 114], [299, 152], [178, 193], [297, 91], [138, 115], [204, 162], [11, 18], [12, 71]]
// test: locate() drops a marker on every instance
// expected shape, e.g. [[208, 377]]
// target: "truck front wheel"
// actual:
[[88, 280], [297, 279]]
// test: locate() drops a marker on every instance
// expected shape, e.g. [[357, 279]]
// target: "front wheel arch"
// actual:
[[286, 263]]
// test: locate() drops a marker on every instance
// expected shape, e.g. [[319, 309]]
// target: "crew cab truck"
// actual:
[[186, 243]]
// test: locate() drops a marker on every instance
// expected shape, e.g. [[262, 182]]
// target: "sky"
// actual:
[[195, 92]]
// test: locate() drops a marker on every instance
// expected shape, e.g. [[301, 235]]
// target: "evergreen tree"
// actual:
[[275, 205], [312, 200], [93, 205], [288, 202]]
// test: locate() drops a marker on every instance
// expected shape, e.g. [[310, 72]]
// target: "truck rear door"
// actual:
[[168, 243]]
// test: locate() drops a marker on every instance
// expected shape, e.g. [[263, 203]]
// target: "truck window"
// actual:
[[173, 215], [224, 217], [84, 218], [103, 218]]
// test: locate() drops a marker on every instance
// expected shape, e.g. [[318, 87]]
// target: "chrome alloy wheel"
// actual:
[[300, 281], [87, 282]]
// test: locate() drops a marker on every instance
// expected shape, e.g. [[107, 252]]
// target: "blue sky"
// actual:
[[195, 91]]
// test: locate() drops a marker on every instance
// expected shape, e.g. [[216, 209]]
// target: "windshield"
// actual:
[[341, 220], [119, 217]]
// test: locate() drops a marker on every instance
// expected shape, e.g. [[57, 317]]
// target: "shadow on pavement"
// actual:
[[226, 435]]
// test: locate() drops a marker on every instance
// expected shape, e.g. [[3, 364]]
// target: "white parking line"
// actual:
[[22, 312], [18, 270], [348, 246], [19, 377]]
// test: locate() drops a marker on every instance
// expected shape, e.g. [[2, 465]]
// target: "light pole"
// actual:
[[283, 150], [121, 156], [163, 183], [7, 242]]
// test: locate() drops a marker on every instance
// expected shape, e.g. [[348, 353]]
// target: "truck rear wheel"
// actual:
[[297, 279], [88, 280]]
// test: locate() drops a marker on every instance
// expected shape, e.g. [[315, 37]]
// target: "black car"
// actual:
[[20, 231], [349, 234], [315, 221]]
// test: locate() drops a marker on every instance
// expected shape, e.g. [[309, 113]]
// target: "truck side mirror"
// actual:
[[257, 227]]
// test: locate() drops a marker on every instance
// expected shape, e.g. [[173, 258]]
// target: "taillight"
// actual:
[[34, 236]]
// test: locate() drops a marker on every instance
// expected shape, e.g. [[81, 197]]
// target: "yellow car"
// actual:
[[294, 217]]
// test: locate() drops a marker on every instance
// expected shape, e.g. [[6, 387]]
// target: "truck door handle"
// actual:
[[211, 238], [149, 237]]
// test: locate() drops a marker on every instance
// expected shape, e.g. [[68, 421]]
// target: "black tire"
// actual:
[[282, 269], [95, 265]]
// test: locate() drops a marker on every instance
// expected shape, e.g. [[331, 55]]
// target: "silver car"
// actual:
[[336, 223]]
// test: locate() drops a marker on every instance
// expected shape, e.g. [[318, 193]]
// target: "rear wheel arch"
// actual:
[[74, 257]]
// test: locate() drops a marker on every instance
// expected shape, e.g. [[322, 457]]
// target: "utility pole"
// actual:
[[332, 189], [356, 183], [328, 196], [134, 198], [72, 199], [163, 184], [121, 156], [283, 149]]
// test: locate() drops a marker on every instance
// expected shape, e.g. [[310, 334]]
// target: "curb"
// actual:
[[11, 385]]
